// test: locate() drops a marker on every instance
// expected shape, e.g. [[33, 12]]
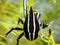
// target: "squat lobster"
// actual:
[[31, 26]]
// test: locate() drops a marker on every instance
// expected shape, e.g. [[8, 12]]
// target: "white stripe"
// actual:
[[34, 26], [34, 23], [38, 18], [29, 35], [28, 28], [28, 23], [33, 36], [37, 15]]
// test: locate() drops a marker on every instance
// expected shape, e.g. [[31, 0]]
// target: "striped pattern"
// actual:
[[31, 26]]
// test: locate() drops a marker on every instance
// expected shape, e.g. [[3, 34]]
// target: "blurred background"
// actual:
[[11, 10]]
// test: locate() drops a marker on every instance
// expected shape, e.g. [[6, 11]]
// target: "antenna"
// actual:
[[25, 7]]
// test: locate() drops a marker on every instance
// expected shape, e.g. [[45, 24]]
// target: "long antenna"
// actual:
[[25, 7]]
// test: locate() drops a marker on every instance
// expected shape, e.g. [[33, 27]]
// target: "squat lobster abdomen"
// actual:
[[31, 26]]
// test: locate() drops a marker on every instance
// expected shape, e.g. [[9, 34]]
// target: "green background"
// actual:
[[11, 10]]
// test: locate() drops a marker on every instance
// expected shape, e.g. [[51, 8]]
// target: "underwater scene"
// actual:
[[29, 22]]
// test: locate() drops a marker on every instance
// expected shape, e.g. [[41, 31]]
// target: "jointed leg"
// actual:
[[41, 24], [19, 38], [19, 20], [17, 28], [49, 32], [44, 25], [37, 15]]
